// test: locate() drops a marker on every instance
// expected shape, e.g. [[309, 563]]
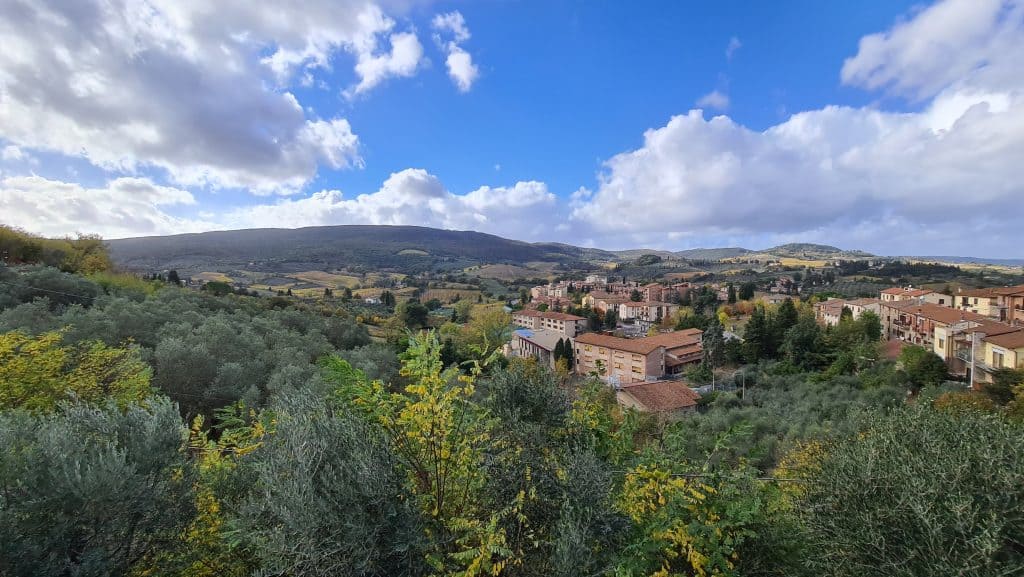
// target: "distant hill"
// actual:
[[806, 249], [712, 253], [969, 260], [406, 248]]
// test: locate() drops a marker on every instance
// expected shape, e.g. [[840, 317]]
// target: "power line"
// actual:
[[77, 296]]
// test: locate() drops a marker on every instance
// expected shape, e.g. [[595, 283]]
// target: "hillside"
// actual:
[[406, 248]]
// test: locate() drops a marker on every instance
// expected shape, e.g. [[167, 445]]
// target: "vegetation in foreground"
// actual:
[[150, 430]]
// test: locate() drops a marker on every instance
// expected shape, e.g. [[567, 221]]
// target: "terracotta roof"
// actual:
[[1010, 290], [864, 302], [662, 396], [978, 292], [549, 315], [1011, 340], [648, 304], [645, 345], [906, 291], [936, 312]]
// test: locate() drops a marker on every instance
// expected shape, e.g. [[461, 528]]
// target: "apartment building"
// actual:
[[619, 360], [898, 294], [565, 324], [829, 312], [535, 343], [916, 322], [1004, 304], [647, 312], [602, 301]]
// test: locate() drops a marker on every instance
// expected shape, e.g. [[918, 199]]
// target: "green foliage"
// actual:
[[86, 254], [921, 368], [37, 373], [920, 492], [89, 490]]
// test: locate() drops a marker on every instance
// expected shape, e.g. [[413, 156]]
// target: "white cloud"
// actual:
[[461, 68], [11, 152], [195, 88], [525, 210], [123, 207], [929, 179], [732, 47], [715, 100], [454, 23], [975, 42]]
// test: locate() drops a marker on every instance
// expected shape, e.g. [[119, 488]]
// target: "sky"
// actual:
[[882, 125]]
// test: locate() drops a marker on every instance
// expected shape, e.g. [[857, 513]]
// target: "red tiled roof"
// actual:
[[645, 345], [549, 315], [662, 396], [936, 312], [1010, 340]]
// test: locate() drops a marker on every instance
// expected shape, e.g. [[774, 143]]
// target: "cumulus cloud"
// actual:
[[715, 100], [976, 42], [123, 207], [841, 172], [11, 152], [525, 210], [191, 87], [461, 68]]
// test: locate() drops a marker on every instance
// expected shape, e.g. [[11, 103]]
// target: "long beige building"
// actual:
[[564, 323], [619, 360]]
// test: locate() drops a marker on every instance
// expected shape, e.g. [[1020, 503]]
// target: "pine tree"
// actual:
[[732, 294]]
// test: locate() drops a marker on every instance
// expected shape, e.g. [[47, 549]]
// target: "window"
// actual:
[[997, 359], [942, 343], [587, 348], [636, 370]]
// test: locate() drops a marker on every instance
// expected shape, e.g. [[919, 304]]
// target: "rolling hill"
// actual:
[[406, 248]]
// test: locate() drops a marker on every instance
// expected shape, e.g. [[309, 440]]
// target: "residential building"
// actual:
[[670, 400], [536, 343], [1000, 303], [647, 312], [620, 360], [596, 279], [601, 301], [916, 323], [897, 294], [565, 324], [829, 312], [653, 292]]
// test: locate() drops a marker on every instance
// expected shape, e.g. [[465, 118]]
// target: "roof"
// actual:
[[549, 315], [645, 345], [543, 338], [1012, 340], [662, 396], [907, 291], [864, 302], [935, 312], [648, 304]]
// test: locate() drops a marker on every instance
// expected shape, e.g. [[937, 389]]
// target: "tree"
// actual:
[[731, 294], [91, 490], [904, 483], [487, 332], [610, 319], [173, 278], [756, 336], [559, 350], [37, 373], [786, 316], [802, 345], [635, 296], [387, 299], [921, 368], [413, 314], [713, 343], [328, 293], [747, 291], [438, 434]]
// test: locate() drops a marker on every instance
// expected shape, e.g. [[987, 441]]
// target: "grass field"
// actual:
[[445, 295], [507, 272], [213, 277], [327, 279]]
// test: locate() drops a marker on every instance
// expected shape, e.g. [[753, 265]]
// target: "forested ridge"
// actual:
[[147, 429]]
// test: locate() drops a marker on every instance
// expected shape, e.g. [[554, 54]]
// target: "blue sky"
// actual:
[[888, 126]]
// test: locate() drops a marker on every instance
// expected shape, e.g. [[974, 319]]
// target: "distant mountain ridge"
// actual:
[[408, 248]]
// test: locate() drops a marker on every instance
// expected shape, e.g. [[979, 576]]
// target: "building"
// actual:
[[670, 400], [829, 312], [1004, 304], [618, 360], [897, 294], [647, 312], [537, 344], [596, 279], [916, 323], [565, 324], [653, 292], [602, 302]]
